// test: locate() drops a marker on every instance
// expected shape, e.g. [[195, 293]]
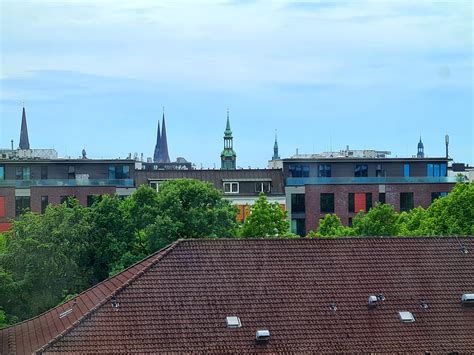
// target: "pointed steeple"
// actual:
[[275, 149], [228, 155], [164, 156], [421, 149], [156, 155], [24, 141]]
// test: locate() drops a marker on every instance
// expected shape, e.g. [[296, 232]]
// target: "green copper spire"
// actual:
[[228, 155]]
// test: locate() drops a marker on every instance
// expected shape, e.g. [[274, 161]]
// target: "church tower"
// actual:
[[24, 141], [164, 156], [421, 150], [276, 156], [156, 155], [228, 155]]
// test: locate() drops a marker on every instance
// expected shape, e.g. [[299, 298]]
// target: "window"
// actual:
[[67, 199], [44, 172], [406, 201], [2, 206], [382, 197], [298, 203], [22, 173], [327, 203], [71, 172], [324, 170], [298, 226], [119, 172], [91, 199], [438, 169], [406, 170], [44, 203], [349, 222], [435, 195], [361, 170], [2, 172], [22, 204], [379, 172], [262, 186], [360, 202], [231, 187], [299, 170]]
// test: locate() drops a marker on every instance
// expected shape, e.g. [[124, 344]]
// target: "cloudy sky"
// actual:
[[324, 74]]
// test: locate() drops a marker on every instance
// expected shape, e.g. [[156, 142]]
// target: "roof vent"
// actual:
[[372, 301], [65, 313], [467, 299], [406, 317], [333, 306], [115, 303], [262, 336], [424, 303], [233, 322], [463, 249]]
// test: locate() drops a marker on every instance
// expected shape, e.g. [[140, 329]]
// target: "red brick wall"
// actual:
[[421, 194], [8, 193], [54, 194]]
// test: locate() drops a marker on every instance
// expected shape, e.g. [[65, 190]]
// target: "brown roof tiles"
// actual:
[[177, 300]]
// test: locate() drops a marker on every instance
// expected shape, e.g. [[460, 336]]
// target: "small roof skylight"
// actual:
[[233, 322], [406, 317]]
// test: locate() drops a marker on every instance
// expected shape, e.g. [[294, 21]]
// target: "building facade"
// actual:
[[241, 186], [346, 185]]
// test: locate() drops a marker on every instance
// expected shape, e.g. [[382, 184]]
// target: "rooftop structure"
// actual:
[[269, 296], [228, 155]]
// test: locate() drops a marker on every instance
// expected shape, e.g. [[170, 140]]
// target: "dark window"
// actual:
[[71, 172], [23, 173], [44, 203], [406, 201], [368, 201], [297, 203], [2, 172], [351, 202], [298, 226], [406, 170], [350, 222], [438, 169], [327, 203], [299, 170], [361, 170], [119, 172], [91, 199], [22, 204], [379, 172], [44, 172], [67, 199], [324, 170], [262, 186], [435, 195], [382, 197]]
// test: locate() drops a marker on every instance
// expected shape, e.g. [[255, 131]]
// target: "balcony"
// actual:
[[25, 184], [370, 180]]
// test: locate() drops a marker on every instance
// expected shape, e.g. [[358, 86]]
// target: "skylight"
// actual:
[[233, 322], [406, 317]]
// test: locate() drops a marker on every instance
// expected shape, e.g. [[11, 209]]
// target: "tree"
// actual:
[[381, 220], [412, 223], [190, 209], [265, 220], [331, 226]]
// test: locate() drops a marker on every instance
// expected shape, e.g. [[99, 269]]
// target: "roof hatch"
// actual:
[[406, 317]]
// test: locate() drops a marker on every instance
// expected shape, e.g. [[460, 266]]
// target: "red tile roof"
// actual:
[[177, 300]]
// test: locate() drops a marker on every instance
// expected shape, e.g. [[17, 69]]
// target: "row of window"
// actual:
[[23, 172], [362, 170], [233, 187], [356, 201]]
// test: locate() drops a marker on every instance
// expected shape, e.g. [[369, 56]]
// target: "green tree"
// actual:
[[265, 220], [412, 223], [331, 226], [381, 220], [190, 209]]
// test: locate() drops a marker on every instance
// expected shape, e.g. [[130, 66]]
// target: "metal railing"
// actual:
[[23, 184], [369, 180]]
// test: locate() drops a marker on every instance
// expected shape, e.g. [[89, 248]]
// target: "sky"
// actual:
[[96, 74]]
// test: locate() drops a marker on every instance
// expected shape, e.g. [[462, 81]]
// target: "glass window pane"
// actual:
[[429, 170], [2, 172], [435, 169], [443, 171], [112, 174], [406, 170]]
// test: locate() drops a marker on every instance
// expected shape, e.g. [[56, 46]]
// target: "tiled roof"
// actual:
[[178, 299]]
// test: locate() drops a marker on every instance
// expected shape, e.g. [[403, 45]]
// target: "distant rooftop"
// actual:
[[345, 153]]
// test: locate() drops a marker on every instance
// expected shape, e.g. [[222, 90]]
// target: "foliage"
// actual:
[[381, 220], [265, 220], [331, 226]]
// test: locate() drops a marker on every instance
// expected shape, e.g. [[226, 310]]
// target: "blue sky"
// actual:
[[368, 74]]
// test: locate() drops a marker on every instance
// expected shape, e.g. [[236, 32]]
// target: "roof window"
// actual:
[[406, 317], [233, 322]]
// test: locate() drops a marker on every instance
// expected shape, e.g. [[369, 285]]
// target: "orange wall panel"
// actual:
[[2, 206], [359, 202]]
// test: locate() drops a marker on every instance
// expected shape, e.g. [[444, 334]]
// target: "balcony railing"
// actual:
[[369, 180], [24, 184]]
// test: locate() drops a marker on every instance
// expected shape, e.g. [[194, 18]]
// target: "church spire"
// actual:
[[275, 149], [164, 156], [156, 155], [228, 155], [24, 141], [421, 149]]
